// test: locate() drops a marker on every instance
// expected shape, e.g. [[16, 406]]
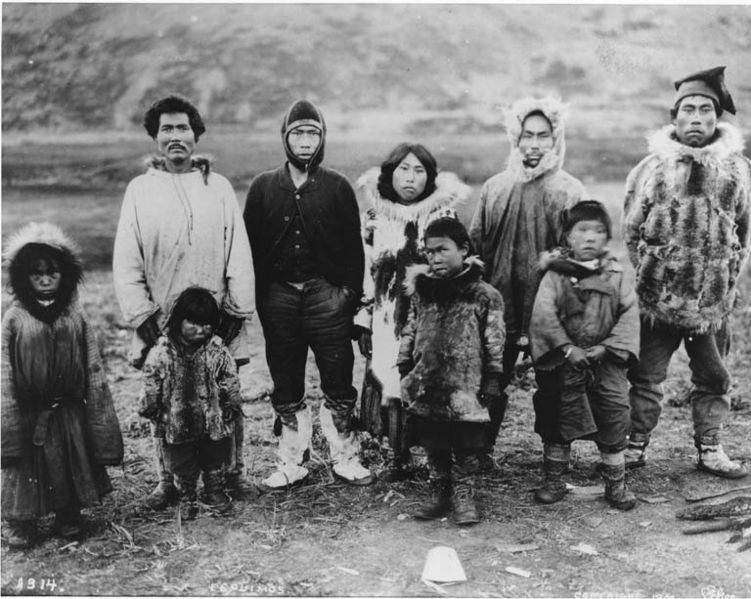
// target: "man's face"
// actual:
[[175, 140], [696, 121], [536, 140], [304, 141]]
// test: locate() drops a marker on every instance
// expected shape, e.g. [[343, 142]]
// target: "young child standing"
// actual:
[[59, 427], [584, 335], [450, 360], [191, 393]]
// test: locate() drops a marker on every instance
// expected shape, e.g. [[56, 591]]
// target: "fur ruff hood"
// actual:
[[556, 112], [449, 191], [419, 279], [67, 254], [729, 140], [197, 162]]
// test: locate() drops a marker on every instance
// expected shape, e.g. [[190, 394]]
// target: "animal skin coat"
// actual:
[[454, 337], [686, 227], [392, 236]]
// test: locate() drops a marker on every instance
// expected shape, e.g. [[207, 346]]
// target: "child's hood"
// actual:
[[42, 234], [418, 276], [549, 260]]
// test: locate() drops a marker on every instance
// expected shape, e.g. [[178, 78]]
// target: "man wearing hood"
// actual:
[[516, 219], [304, 228], [180, 226], [686, 227]]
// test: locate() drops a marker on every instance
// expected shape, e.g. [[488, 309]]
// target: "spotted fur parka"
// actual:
[[686, 227], [453, 339]]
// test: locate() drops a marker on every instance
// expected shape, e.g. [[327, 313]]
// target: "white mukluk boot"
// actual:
[[344, 448], [292, 446]]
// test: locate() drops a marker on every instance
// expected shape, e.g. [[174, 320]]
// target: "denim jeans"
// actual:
[[709, 376], [319, 317]]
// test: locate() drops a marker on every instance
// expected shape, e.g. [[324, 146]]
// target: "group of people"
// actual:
[[440, 311]]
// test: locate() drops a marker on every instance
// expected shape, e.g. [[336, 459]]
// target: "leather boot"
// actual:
[[186, 488], [213, 487], [636, 453], [713, 459], [165, 493], [439, 502], [68, 523], [463, 486], [555, 462], [294, 443], [20, 534], [344, 447], [616, 493]]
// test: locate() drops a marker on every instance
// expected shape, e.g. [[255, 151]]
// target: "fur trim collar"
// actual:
[[197, 162], [473, 269], [449, 191], [729, 140], [607, 262], [556, 112]]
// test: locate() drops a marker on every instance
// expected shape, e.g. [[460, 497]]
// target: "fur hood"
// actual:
[[449, 191], [418, 277], [556, 112], [198, 162], [67, 254], [729, 140]]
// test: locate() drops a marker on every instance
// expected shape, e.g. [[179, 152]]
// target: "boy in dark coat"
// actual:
[[584, 334], [451, 361]]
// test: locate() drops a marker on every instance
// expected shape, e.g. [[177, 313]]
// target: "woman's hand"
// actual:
[[365, 342]]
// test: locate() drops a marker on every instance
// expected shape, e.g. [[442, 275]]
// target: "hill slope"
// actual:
[[388, 66]]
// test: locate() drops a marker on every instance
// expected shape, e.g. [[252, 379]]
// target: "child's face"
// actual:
[[587, 239], [194, 333], [45, 279], [445, 258]]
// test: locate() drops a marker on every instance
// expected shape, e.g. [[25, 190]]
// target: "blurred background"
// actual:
[[77, 79]]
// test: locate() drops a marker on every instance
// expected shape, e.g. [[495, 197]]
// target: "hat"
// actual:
[[709, 83]]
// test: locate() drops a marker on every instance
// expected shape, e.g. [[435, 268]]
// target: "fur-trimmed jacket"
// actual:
[[517, 216], [452, 342], [584, 307], [686, 227], [392, 236]]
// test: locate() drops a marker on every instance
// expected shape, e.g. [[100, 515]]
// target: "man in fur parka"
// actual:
[[180, 226], [517, 218], [685, 225]]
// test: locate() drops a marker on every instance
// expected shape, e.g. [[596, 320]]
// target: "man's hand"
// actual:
[[365, 343], [596, 353], [577, 357], [229, 327], [149, 330]]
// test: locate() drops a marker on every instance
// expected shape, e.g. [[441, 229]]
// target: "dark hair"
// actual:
[[197, 305], [451, 228], [674, 109], [169, 105], [586, 210], [538, 113], [399, 153], [70, 267]]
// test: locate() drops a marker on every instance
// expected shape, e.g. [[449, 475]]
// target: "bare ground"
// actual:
[[331, 539]]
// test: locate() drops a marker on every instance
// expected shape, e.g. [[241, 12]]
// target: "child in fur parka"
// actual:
[[59, 427], [584, 334], [451, 361], [191, 392]]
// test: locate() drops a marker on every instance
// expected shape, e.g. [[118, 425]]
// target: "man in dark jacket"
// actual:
[[304, 229]]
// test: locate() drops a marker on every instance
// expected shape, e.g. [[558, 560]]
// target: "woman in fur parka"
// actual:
[[404, 195], [59, 427]]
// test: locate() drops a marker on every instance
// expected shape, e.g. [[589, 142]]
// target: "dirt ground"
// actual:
[[328, 538]]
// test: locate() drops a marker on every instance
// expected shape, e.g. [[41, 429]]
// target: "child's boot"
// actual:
[[439, 503], [165, 492], [213, 487], [186, 488], [463, 482], [614, 472], [68, 523], [713, 459], [636, 452], [20, 534], [554, 465], [237, 487]]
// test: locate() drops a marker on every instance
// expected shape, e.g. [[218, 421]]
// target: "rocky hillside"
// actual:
[[377, 67]]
